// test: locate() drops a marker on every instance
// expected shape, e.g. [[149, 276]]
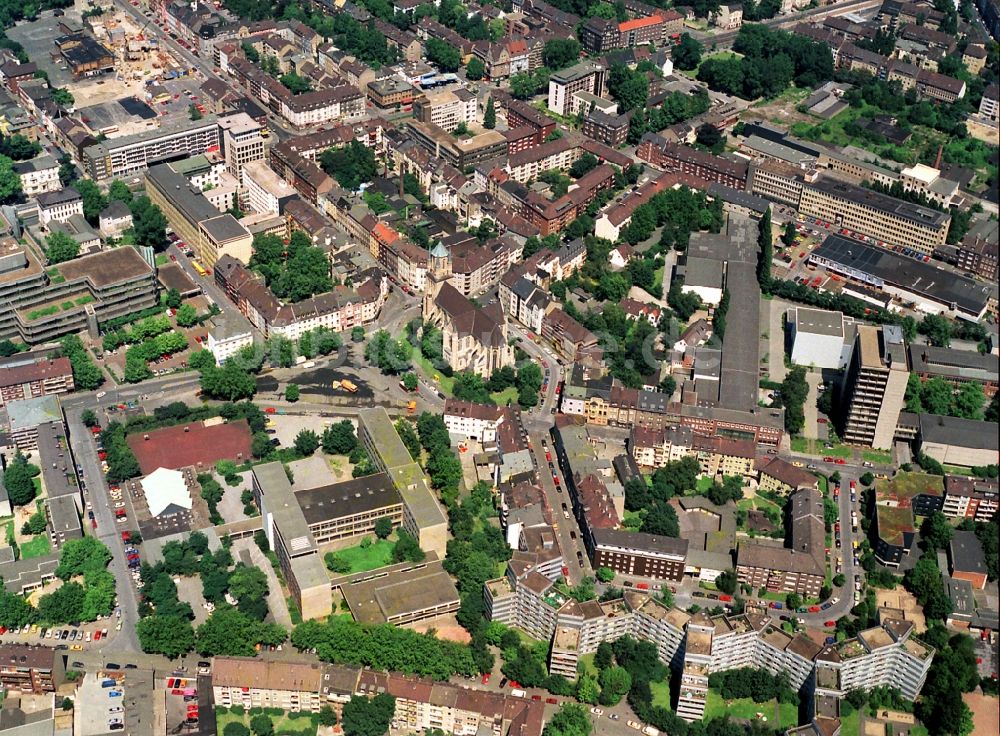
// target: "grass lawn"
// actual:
[[850, 719], [502, 397], [162, 259], [446, 383], [873, 456], [824, 483], [720, 55], [661, 693], [37, 480], [703, 484], [586, 664], [37, 547], [379, 554], [281, 723], [717, 707], [658, 282], [817, 447]]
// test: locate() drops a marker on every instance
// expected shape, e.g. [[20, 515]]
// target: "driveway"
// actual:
[[810, 430]]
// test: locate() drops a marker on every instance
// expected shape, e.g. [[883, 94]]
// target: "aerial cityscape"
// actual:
[[499, 367]]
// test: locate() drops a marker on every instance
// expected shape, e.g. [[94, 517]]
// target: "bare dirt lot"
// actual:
[[985, 712], [444, 627]]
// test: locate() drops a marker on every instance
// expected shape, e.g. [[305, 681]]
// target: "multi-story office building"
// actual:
[[29, 376], [971, 498], [776, 180], [255, 683], [101, 286], [350, 508], [876, 215], [563, 85], [875, 386], [883, 656], [447, 109], [208, 231], [288, 535], [422, 515], [241, 142], [30, 669], [264, 191], [122, 157]]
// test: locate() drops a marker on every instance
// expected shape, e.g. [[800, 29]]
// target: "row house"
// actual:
[[522, 299], [340, 309], [505, 58]]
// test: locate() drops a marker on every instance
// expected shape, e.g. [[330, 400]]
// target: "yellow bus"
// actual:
[[199, 268]]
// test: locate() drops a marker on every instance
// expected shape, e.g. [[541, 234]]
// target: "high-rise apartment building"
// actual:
[[875, 386], [583, 77]]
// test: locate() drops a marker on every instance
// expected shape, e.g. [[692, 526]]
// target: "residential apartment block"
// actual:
[[29, 376], [474, 421], [671, 156], [971, 498], [255, 683], [564, 84], [29, 669], [885, 655], [799, 568]]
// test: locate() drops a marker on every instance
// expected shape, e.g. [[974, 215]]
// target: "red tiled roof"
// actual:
[[631, 25]]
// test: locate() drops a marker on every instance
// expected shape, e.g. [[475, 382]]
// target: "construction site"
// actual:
[[145, 86]]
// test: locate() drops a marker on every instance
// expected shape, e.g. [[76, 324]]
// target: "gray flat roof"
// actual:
[[56, 461], [953, 363], [224, 227], [391, 449], [882, 202], [819, 322], [29, 413], [356, 496], [375, 599], [188, 199], [909, 274], [280, 502], [64, 515], [958, 432], [966, 553], [703, 272]]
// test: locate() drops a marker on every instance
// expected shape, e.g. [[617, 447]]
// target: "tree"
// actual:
[[235, 728], [295, 84], [94, 200], [587, 690], [364, 717], [63, 97], [407, 548], [687, 53], [765, 251], [443, 55], [170, 636], [261, 725], [260, 445], [306, 442], [19, 148], [89, 418], [727, 582], [661, 519], [475, 70], [230, 632], [292, 392], [118, 190], [570, 720], [148, 223], [559, 53], [793, 601], [615, 682], [174, 299], [18, 480], [867, 479], [15, 610], [60, 247], [383, 527], [936, 531], [605, 574], [582, 165], [629, 88], [228, 382], [339, 438], [327, 716], [490, 115], [10, 182], [709, 136]]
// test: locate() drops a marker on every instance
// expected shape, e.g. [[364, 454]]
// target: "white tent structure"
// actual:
[[166, 492]]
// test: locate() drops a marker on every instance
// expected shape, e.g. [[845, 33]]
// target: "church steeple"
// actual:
[[438, 272]]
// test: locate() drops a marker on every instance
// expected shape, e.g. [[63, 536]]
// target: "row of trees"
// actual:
[[86, 375], [384, 647]]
